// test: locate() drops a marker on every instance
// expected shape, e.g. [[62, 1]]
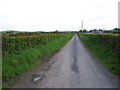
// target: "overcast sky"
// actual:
[[51, 15]]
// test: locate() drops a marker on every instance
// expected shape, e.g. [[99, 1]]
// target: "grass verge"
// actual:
[[13, 66]]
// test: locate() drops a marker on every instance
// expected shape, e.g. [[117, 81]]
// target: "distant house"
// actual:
[[95, 31]]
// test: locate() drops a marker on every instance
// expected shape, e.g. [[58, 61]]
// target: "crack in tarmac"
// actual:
[[74, 66]]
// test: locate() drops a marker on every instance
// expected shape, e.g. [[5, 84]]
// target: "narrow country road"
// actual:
[[72, 67]]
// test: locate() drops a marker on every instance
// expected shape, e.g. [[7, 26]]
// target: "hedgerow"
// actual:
[[12, 43], [106, 48]]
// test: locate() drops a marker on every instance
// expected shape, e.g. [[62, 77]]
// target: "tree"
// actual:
[[116, 29], [56, 31], [84, 31], [80, 31]]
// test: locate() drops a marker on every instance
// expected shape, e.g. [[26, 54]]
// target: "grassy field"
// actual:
[[24, 53], [106, 48]]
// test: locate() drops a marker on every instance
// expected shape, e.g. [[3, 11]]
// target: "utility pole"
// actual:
[[82, 24]]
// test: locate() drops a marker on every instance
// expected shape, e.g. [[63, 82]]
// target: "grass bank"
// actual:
[[15, 64], [105, 48]]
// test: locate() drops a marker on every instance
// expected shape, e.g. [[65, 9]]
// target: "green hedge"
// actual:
[[10, 44], [111, 40]]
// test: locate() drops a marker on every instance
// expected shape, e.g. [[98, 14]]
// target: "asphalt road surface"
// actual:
[[72, 67]]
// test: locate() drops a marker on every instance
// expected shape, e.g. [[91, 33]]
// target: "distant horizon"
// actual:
[[53, 30]]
